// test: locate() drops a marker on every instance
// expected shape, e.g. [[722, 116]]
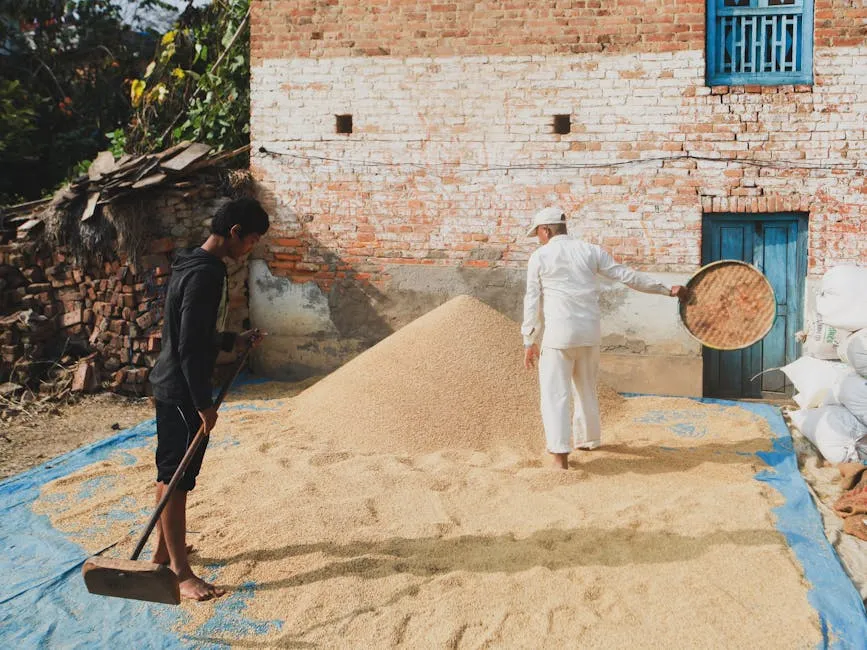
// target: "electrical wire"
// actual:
[[457, 166]]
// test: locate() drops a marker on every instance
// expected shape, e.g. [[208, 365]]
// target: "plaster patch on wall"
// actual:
[[502, 289], [285, 308], [642, 322]]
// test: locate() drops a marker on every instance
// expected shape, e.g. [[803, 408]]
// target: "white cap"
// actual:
[[546, 217]]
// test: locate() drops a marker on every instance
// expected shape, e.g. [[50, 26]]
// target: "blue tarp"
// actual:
[[833, 596], [43, 601]]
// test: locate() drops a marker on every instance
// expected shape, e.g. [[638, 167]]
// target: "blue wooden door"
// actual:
[[776, 244]]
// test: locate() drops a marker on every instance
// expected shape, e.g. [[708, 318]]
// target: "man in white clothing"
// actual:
[[562, 299]]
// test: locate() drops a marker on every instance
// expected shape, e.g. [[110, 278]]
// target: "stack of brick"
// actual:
[[54, 306], [27, 306], [24, 331], [123, 314], [107, 314]]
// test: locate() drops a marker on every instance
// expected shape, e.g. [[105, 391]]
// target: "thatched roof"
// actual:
[[101, 210]]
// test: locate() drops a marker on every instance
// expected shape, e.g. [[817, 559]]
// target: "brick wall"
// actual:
[[401, 28], [283, 29], [337, 218], [444, 96]]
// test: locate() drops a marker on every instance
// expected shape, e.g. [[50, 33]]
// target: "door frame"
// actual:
[[797, 285]]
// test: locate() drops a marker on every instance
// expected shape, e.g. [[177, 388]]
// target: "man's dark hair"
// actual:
[[556, 228], [246, 213]]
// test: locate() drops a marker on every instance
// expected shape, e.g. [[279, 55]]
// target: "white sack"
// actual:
[[842, 301], [832, 397], [853, 395], [813, 379], [836, 433], [821, 341], [853, 350]]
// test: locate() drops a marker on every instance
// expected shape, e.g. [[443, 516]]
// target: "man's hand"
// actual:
[[251, 337], [531, 353], [681, 293], [209, 418]]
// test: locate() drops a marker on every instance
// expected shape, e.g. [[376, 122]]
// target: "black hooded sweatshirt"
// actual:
[[191, 340]]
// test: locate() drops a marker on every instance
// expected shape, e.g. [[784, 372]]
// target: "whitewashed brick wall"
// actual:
[[449, 122]]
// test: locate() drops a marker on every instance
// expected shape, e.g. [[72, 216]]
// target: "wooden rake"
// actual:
[[138, 579]]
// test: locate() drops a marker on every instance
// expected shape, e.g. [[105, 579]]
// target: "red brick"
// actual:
[[286, 243], [71, 318], [84, 379], [145, 320]]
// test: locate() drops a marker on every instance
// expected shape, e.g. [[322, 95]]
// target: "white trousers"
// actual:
[[570, 407]]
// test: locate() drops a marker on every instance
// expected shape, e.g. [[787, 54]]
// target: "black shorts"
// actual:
[[176, 427]]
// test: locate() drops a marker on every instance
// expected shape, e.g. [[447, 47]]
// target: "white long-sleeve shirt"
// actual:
[[563, 295]]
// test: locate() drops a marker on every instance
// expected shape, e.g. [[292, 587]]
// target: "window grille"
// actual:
[[764, 42]]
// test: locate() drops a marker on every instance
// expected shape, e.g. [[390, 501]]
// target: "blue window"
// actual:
[[759, 42]]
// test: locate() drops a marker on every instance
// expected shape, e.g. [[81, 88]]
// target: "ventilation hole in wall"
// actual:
[[344, 123], [562, 124]]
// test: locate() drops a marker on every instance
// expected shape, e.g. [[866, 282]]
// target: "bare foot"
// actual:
[[195, 588], [560, 461], [162, 555]]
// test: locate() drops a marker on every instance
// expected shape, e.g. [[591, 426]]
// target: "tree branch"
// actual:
[[213, 67], [42, 64]]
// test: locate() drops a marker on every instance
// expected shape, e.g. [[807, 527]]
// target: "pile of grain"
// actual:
[[661, 539], [452, 379]]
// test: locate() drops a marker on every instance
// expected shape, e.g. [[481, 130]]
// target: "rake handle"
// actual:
[[191, 451]]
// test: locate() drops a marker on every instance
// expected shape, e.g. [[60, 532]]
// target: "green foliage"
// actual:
[[197, 87], [117, 138], [74, 80], [16, 118], [64, 68], [17, 128]]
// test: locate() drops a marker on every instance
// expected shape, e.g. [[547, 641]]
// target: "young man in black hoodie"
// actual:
[[193, 334]]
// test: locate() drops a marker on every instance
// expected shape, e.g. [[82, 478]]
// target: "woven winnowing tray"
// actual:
[[731, 305]]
